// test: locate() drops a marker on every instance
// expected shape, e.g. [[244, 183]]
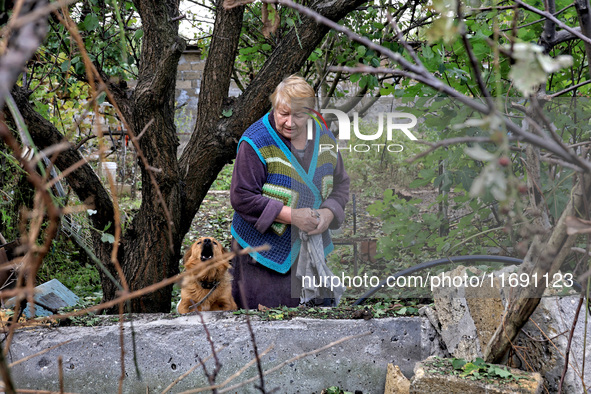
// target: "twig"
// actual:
[[229, 379], [5, 373], [447, 142], [539, 20], [570, 338], [474, 62], [554, 134], [580, 250], [560, 162], [193, 368], [60, 370], [122, 348], [34, 15], [423, 75], [261, 375], [22, 360], [558, 350], [402, 41], [53, 149], [29, 391], [257, 358], [148, 289], [211, 377], [91, 74], [50, 232], [569, 89], [551, 17], [500, 8]]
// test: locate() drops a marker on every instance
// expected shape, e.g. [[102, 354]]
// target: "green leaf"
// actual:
[[458, 363], [247, 51], [91, 22], [428, 52], [101, 98], [470, 368], [108, 238], [387, 89], [65, 66], [227, 112], [419, 183], [139, 33], [499, 371]]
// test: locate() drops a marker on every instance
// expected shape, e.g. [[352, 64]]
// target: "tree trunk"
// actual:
[[544, 257], [151, 245]]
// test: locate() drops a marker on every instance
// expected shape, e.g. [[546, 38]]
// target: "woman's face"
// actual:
[[290, 124]]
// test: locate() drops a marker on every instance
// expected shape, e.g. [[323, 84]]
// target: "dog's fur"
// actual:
[[204, 253]]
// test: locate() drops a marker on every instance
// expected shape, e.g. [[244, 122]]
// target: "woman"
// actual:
[[282, 184]]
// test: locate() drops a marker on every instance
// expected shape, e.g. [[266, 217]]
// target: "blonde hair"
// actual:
[[292, 87]]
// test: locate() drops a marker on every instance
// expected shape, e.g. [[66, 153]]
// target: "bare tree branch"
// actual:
[[559, 23]]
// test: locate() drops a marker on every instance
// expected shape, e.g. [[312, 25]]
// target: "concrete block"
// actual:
[[467, 317], [396, 382], [553, 317], [167, 348], [431, 378], [52, 294]]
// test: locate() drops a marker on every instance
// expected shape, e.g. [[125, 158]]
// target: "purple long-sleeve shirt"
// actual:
[[250, 174]]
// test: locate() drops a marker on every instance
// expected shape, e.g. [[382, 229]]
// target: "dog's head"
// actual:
[[205, 253]]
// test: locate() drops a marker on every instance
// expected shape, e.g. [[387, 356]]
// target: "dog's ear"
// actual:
[[187, 255], [224, 250]]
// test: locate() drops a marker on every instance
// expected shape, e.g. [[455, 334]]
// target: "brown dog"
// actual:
[[210, 275]]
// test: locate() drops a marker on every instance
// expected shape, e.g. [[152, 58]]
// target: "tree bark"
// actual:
[[151, 245], [544, 257], [584, 13]]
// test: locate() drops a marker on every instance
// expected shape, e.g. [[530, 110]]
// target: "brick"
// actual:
[[200, 66], [184, 67], [190, 75], [183, 84]]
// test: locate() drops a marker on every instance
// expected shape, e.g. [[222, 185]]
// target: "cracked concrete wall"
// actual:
[[166, 348]]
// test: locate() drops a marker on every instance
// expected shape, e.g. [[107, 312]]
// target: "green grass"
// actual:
[[224, 178], [67, 264]]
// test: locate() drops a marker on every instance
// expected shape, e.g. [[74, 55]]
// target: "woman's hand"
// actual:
[[325, 217], [304, 219]]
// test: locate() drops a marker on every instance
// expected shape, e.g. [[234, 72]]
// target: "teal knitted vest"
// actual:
[[289, 183]]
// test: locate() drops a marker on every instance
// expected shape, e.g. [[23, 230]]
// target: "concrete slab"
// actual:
[[168, 347], [52, 294]]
